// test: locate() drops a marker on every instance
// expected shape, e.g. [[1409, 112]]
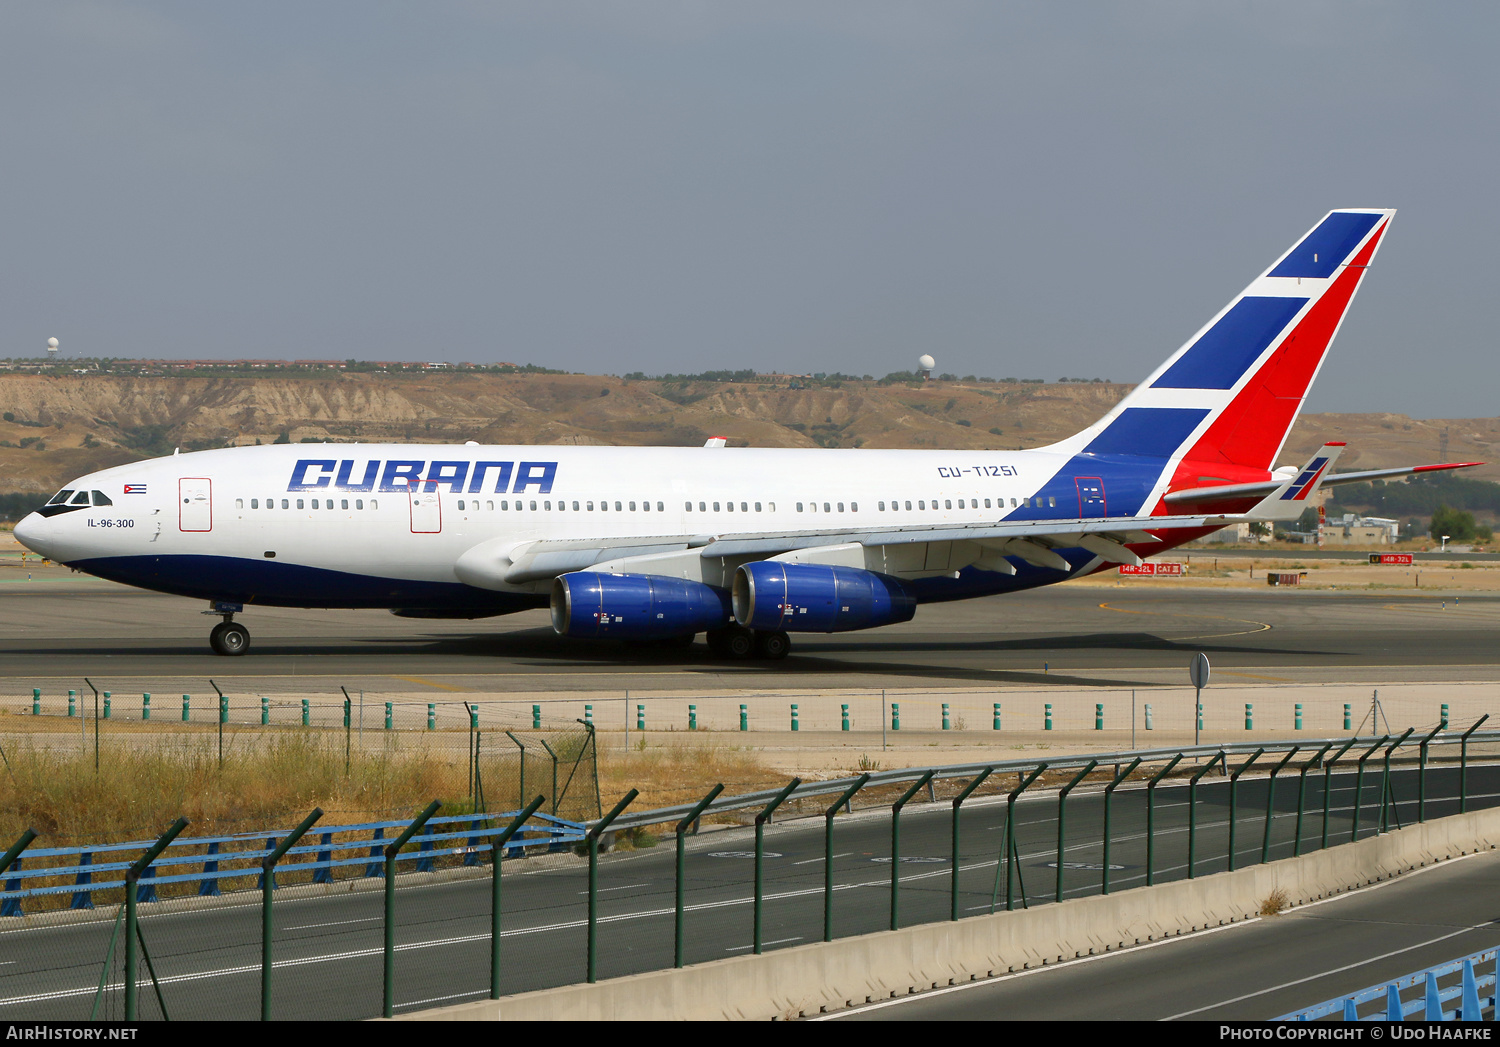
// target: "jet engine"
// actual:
[[635, 606], [815, 598]]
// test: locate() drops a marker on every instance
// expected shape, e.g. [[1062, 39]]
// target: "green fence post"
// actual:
[[1302, 794], [389, 952], [794, 716], [1151, 818], [997, 716], [1098, 716], [223, 708], [1422, 774], [474, 718], [957, 853], [1348, 720], [107, 703], [187, 708], [1443, 718], [145, 706], [895, 716], [1249, 716], [692, 717], [1047, 716], [1297, 717], [132, 929], [265, 710], [1328, 787], [844, 716], [267, 930], [843, 800], [536, 717], [588, 714], [36, 701], [72, 702], [593, 842], [896, 847], [1359, 785], [1200, 717], [945, 716], [1385, 780], [1150, 726], [744, 717], [1062, 820], [1234, 797], [760, 846], [1008, 847], [640, 717], [1265, 846], [388, 711], [432, 716], [1463, 765], [497, 854], [1193, 810], [682, 828], [1109, 795], [306, 713]]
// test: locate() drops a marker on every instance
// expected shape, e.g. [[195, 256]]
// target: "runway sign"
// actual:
[[1390, 558], [1153, 568]]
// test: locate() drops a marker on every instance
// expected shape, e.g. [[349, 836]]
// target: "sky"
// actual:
[[1019, 189]]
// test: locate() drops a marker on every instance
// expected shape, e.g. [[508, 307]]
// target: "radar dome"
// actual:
[[925, 362], [52, 345]]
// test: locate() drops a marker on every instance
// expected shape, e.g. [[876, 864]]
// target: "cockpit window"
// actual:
[[60, 497], [81, 498], [100, 498]]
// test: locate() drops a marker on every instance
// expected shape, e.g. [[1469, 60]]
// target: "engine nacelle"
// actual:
[[634, 606], [814, 598]]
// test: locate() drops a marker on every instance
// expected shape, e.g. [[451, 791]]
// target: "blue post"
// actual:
[[324, 874], [377, 866], [424, 862], [83, 899], [208, 887], [472, 858], [12, 906]]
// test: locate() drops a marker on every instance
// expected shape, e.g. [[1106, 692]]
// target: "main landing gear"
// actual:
[[735, 641], [228, 637]]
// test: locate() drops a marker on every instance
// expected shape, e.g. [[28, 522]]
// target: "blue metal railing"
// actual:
[[98, 867], [1426, 1003]]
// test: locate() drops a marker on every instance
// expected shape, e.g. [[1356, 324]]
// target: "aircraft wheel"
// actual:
[[229, 638], [772, 646], [732, 641]]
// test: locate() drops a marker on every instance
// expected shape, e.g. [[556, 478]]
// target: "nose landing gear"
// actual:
[[228, 637]]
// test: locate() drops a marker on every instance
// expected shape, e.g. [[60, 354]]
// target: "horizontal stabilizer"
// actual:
[[1296, 494], [1239, 492]]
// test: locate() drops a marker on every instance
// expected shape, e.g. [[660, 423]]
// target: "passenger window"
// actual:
[[1012, 503], [987, 504], [460, 505], [491, 506], [921, 504], [359, 503], [841, 507], [618, 509], [757, 507], [533, 505], [632, 507], [799, 507], [729, 506], [328, 504], [716, 507], [255, 503], [908, 507], [947, 504], [374, 503], [826, 509], [882, 506], [100, 498], [854, 507], [299, 503], [1052, 503], [239, 503], [687, 507], [660, 507], [703, 507], [771, 507], [591, 506], [645, 507], [744, 507]]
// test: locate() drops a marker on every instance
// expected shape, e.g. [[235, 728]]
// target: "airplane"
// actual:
[[746, 545]]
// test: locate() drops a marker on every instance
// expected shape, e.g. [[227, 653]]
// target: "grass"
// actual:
[[680, 772]]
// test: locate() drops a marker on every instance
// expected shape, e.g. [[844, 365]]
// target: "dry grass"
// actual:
[[680, 772], [1275, 903], [139, 790]]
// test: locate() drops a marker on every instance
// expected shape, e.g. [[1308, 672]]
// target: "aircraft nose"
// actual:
[[34, 533]]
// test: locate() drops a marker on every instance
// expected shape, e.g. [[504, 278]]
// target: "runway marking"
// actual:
[[429, 683], [1260, 627], [335, 923], [627, 887]]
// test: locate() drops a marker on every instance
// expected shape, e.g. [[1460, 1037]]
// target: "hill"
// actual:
[[58, 427]]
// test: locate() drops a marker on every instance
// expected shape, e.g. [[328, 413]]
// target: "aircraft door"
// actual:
[[1090, 497], [426, 511], [195, 504]]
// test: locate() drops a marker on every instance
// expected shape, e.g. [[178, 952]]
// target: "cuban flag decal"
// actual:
[[135, 488]]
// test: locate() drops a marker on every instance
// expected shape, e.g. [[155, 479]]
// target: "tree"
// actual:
[[1455, 524]]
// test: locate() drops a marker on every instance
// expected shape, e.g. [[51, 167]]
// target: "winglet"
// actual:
[[1288, 500]]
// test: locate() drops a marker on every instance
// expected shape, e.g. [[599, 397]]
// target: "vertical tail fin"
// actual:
[[1220, 408]]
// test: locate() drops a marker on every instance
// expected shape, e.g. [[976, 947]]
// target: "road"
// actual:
[[327, 945]]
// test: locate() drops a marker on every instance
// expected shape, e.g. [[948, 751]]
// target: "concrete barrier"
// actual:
[[828, 976]]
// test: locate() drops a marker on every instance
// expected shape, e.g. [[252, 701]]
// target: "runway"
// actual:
[[63, 626]]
